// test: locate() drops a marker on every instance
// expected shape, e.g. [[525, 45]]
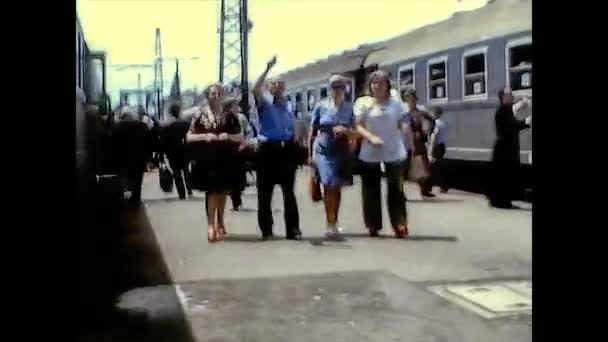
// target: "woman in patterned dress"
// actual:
[[214, 138]]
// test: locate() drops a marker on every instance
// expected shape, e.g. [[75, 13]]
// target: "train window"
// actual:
[[289, 102], [405, 77], [437, 75], [474, 74], [299, 105], [323, 92], [519, 64], [310, 99]]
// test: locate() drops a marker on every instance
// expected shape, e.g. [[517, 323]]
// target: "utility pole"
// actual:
[[139, 94], [158, 75], [245, 27], [234, 30]]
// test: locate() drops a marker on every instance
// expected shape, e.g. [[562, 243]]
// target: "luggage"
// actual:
[[165, 178], [315, 187]]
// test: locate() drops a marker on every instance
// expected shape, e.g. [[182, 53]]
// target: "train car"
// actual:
[[90, 92], [90, 71], [458, 64]]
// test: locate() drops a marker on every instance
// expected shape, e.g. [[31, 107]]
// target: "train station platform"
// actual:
[[354, 288]]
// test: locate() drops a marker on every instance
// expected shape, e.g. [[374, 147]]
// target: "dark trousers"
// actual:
[[135, 177], [371, 185], [181, 175], [436, 175], [237, 191], [503, 183], [276, 164], [504, 169]]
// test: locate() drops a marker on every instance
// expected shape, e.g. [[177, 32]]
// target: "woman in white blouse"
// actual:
[[380, 122]]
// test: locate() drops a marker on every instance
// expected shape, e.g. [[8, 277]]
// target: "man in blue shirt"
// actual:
[[277, 156]]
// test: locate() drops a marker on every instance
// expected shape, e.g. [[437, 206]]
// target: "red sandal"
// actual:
[[401, 231]]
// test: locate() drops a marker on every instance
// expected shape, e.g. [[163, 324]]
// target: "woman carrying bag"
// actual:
[[420, 124], [329, 147]]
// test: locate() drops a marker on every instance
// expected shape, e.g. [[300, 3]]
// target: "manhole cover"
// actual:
[[490, 300], [523, 287], [496, 298]]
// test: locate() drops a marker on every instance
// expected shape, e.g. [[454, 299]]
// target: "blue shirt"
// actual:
[[277, 122], [324, 118]]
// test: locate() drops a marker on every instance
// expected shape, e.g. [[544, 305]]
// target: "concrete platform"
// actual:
[[318, 289], [351, 306]]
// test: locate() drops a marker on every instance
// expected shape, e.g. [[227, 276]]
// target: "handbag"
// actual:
[[419, 169], [165, 178], [315, 188]]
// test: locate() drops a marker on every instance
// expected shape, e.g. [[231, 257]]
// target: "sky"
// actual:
[[298, 31]]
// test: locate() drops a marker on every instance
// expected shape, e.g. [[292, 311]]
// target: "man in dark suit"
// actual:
[[172, 135], [505, 156], [131, 147]]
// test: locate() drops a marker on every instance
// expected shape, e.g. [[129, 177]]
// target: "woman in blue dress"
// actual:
[[332, 128]]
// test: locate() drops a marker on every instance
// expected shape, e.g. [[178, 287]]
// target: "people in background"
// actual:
[[420, 125], [505, 157], [232, 106], [379, 120], [215, 136], [172, 143], [332, 127], [132, 149], [437, 149], [277, 156]]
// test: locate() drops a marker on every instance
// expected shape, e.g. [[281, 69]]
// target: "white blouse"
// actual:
[[384, 121]]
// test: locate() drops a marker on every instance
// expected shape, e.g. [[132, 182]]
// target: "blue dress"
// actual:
[[332, 156]]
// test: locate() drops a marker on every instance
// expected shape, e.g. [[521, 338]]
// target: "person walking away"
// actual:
[[505, 156], [437, 150], [232, 106], [380, 121], [131, 146], [420, 125], [215, 136], [172, 140], [277, 156], [332, 127]]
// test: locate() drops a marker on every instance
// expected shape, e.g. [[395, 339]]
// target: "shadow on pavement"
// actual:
[[320, 240], [436, 200], [119, 253], [175, 199], [387, 235]]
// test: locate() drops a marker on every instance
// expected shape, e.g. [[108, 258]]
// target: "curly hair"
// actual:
[[209, 87]]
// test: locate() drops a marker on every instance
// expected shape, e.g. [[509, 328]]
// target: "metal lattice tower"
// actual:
[[234, 29], [158, 75]]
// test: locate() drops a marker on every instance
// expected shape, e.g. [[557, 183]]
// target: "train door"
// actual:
[[350, 94], [360, 79]]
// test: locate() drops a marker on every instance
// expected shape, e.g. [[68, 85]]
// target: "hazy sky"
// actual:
[[298, 31]]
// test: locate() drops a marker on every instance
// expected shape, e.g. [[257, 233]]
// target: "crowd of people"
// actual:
[[378, 136]]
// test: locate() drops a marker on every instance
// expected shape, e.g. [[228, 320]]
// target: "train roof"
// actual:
[[497, 18], [321, 69]]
